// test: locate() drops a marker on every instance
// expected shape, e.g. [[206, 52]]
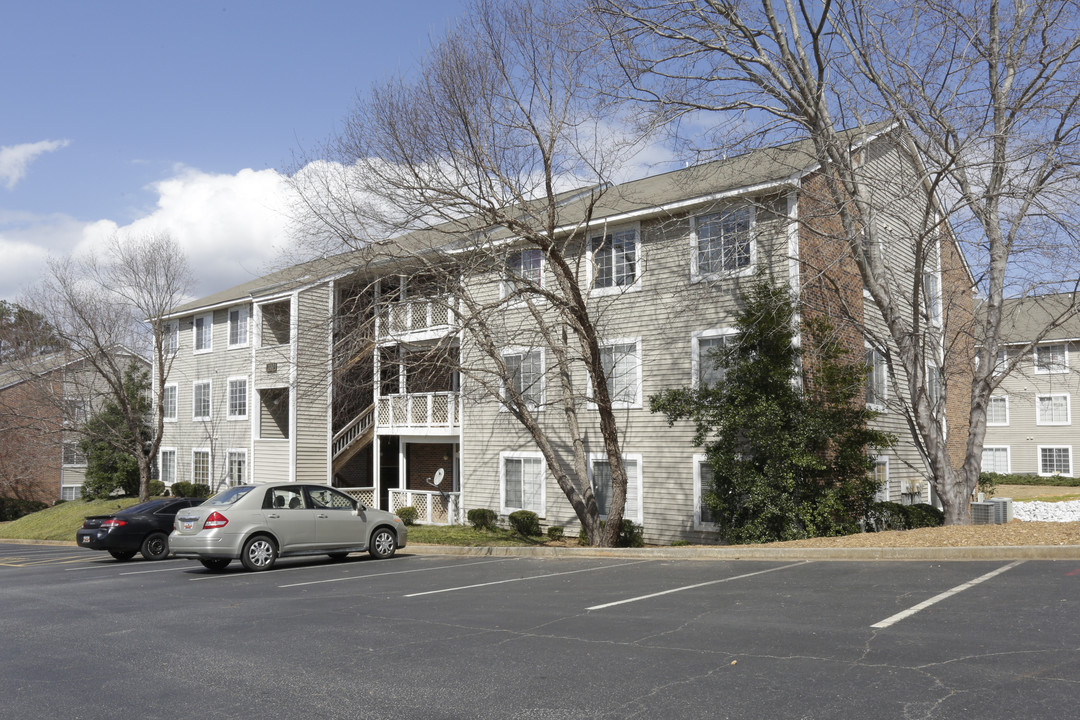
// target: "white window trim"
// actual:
[[245, 312], [208, 319], [881, 407], [506, 285], [629, 513], [77, 452], [228, 462], [699, 491], [618, 404], [1042, 371], [210, 394], [228, 398], [543, 375], [161, 464], [515, 455], [1008, 455], [695, 349], [590, 266], [999, 424], [176, 401], [172, 330], [1038, 460], [209, 465], [1068, 408], [696, 275]]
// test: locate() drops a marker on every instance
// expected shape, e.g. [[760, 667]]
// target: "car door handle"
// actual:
[[322, 515], [273, 516]]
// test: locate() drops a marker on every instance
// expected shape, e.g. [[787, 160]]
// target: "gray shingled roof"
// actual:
[[1023, 318], [755, 168]]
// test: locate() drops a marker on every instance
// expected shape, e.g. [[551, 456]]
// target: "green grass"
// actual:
[[468, 536], [1052, 498], [60, 521]]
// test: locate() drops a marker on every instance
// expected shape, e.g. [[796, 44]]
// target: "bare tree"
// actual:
[[983, 97], [108, 311], [470, 185]]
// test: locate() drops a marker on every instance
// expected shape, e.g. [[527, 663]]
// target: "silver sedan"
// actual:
[[259, 523]]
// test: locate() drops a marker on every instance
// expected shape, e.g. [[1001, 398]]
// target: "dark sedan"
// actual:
[[141, 528]]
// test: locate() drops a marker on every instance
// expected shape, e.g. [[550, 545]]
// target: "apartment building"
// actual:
[[356, 370], [1029, 423]]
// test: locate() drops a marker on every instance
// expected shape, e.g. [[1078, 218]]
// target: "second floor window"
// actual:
[[1052, 409], [876, 385], [170, 341], [1051, 359], [526, 372], [622, 365], [203, 331], [526, 265], [615, 259], [724, 243], [238, 399], [73, 455], [238, 327], [997, 411], [200, 401], [168, 402]]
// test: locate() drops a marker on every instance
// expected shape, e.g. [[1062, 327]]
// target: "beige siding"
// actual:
[[312, 430]]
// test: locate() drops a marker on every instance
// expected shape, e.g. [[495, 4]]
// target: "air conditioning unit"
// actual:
[[983, 513], [1003, 510]]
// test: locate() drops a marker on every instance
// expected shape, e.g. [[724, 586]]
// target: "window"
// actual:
[[703, 486], [237, 467], [167, 465], [723, 243], [522, 482], [238, 327], [276, 323], [200, 400], [238, 398], [527, 266], [74, 413], [1052, 410], [326, 499], [1055, 460], [170, 341], [600, 477], [876, 385], [1000, 360], [525, 369], [615, 259], [200, 467], [203, 331], [622, 365], [1051, 359], [168, 402], [70, 492], [997, 411], [706, 366], [73, 455], [881, 479], [995, 459], [932, 297], [934, 385]]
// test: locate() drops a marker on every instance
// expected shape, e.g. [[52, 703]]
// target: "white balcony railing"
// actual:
[[413, 316], [419, 410], [432, 507]]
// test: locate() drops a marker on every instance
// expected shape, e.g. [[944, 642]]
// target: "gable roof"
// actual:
[[1022, 319]]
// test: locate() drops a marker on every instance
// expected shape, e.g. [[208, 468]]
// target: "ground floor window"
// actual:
[[1055, 460], [200, 467], [600, 476], [881, 479], [167, 465], [71, 492], [995, 459], [237, 467], [703, 485], [522, 482]]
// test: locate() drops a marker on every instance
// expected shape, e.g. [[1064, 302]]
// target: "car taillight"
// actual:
[[113, 522], [215, 520]]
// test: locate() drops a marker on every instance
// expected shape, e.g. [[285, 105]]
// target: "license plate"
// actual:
[[189, 525], [86, 538]]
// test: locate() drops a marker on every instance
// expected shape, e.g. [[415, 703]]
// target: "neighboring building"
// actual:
[[1029, 422], [44, 402], [250, 395]]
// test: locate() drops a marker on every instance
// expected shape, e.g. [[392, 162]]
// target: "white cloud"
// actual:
[[15, 159]]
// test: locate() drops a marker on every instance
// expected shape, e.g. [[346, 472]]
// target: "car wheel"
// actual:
[[383, 544], [259, 553], [215, 564], [338, 555], [122, 555], [155, 546]]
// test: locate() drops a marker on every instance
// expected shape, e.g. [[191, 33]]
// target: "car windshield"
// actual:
[[229, 496]]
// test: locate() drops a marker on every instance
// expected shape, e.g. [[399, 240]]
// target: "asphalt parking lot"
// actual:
[[436, 636]]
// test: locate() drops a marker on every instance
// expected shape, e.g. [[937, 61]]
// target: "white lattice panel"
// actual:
[[440, 410]]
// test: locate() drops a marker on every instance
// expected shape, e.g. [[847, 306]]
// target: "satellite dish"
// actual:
[[438, 476]]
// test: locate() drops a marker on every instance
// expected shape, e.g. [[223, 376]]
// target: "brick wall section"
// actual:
[[423, 459], [30, 442], [830, 282]]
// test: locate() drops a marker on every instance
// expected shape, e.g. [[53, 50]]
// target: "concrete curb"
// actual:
[[739, 552], [1024, 552]]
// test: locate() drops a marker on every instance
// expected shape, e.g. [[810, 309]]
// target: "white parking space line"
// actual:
[[691, 587], [521, 579], [98, 563], [143, 572], [393, 572], [947, 594]]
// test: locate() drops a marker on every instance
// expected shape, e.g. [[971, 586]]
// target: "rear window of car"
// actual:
[[146, 507], [229, 496]]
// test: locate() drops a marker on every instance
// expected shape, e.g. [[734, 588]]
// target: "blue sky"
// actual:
[[178, 116]]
